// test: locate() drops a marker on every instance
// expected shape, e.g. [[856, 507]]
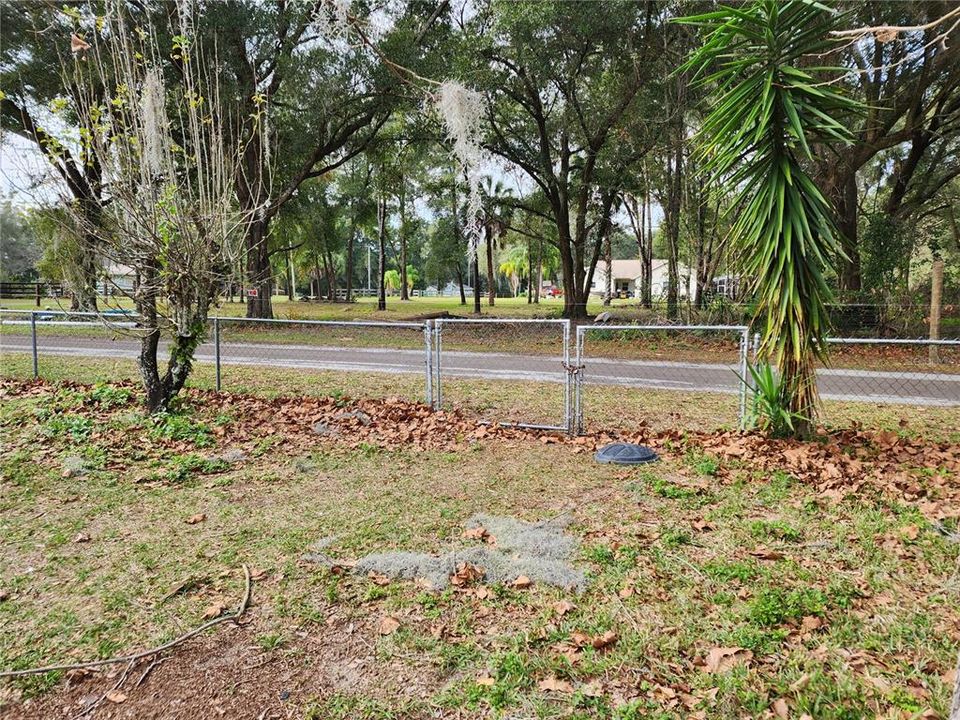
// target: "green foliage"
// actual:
[[756, 141], [108, 396], [178, 426], [771, 410], [775, 529], [77, 427], [775, 606], [884, 248], [740, 570]]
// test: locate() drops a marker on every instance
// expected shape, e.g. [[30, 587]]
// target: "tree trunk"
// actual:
[[404, 292], [608, 271], [491, 286], [291, 289], [381, 261], [936, 300], [258, 270], [648, 258], [476, 282], [846, 207], [161, 390], [529, 271], [350, 263], [536, 292], [463, 295], [672, 227]]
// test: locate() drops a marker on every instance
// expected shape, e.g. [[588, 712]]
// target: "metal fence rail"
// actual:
[[629, 358], [508, 352], [532, 373]]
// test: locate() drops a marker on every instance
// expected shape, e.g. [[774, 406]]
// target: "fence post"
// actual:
[[33, 340], [744, 352], [578, 382], [428, 359], [438, 347], [216, 348], [568, 410]]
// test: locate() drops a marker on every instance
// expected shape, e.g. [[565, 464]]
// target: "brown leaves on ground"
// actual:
[[214, 610], [466, 574], [552, 684], [842, 462], [723, 659], [196, 519], [388, 625], [480, 533], [116, 696]]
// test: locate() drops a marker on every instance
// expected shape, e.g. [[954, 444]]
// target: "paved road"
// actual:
[[913, 388]]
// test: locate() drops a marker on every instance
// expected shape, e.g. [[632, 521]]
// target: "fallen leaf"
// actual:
[[522, 582], [800, 683], [910, 532], [82, 538], [485, 681], [482, 593], [466, 574], [601, 641], [552, 684], [388, 625], [722, 659], [379, 579], [116, 696], [562, 607], [194, 519], [214, 609], [811, 622], [476, 533], [780, 709], [767, 554]]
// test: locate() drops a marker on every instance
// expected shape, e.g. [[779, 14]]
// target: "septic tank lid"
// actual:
[[625, 454]]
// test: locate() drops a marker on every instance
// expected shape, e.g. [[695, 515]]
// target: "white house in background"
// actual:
[[627, 274]]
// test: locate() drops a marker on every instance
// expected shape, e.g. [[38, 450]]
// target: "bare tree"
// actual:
[[170, 214]]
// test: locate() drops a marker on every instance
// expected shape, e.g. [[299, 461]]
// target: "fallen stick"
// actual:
[[235, 616]]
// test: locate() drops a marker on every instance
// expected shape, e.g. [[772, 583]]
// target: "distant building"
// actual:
[[627, 274]]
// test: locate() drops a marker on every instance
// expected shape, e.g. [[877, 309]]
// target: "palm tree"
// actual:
[[772, 104], [515, 265], [495, 214]]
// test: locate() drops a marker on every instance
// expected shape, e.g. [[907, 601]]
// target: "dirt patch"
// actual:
[[227, 675]]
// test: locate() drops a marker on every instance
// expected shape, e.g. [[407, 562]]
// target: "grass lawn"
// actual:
[[364, 308], [716, 589]]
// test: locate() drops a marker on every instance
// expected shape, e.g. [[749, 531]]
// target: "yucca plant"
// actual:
[[769, 413], [772, 102]]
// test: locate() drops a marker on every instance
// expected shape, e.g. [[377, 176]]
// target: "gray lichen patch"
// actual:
[[540, 551]]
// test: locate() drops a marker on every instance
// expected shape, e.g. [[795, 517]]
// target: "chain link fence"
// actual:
[[535, 373], [508, 371], [353, 358], [661, 375]]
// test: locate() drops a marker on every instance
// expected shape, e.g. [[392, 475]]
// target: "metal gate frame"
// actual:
[[426, 327], [565, 325], [577, 370]]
